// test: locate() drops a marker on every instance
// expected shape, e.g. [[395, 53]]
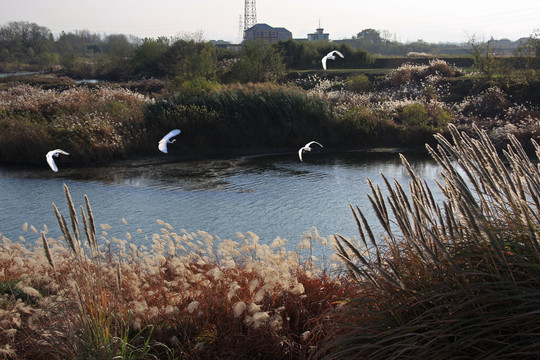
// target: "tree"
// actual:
[[116, 63], [118, 45], [24, 40], [299, 55], [188, 60], [484, 56], [370, 36], [147, 57], [258, 62], [80, 43], [527, 56]]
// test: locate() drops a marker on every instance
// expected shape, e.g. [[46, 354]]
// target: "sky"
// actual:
[[404, 20]]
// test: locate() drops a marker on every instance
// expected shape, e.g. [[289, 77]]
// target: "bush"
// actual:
[[192, 87], [359, 83], [488, 104], [413, 72], [414, 115], [360, 126]]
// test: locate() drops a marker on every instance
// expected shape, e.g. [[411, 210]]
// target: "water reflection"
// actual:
[[271, 196]]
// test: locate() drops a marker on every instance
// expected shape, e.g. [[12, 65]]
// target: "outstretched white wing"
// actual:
[[162, 145], [313, 142], [324, 62], [337, 52], [50, 159], [300, 153]]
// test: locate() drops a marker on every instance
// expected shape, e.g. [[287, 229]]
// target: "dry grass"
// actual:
[[185, 296], [453, 280], [91, 123]]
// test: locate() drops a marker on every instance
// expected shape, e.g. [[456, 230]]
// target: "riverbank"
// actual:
[[100, 123]]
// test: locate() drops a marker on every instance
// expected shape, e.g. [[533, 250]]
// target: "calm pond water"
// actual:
[[270, 196]]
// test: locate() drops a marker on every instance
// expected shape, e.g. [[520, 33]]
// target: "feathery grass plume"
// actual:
[[65, 230], [47, 251], [91, 222], [95, 304], [87, 230], [73, 216], [465, 272]]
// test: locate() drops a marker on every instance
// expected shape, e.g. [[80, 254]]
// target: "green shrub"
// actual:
[[193, 87], [359, 83], [414, 115]]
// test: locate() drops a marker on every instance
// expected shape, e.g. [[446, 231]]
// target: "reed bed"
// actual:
[[435, 96], [405, 108], [248, 115], [183, 296], [453, 280], [93, 124]]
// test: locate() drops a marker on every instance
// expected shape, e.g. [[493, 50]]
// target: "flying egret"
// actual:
[[50, 159], [163, 142], [330, 56], [307, 148]]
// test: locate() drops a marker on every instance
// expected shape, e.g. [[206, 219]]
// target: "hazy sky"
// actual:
[[407, 20]]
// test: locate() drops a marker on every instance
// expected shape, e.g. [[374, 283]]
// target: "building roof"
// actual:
[[266, 27], [259, 27]]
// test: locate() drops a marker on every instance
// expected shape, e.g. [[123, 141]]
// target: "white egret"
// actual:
[[330, 56], [307, 148], [166, 140], [50, 159]]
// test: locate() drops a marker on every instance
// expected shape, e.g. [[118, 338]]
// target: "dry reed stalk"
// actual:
[[73, 216], [65, 230], [502, 193], [91, 222], [47, 251], [468, 268]]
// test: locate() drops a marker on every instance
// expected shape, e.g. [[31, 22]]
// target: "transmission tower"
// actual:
[[250, 14]]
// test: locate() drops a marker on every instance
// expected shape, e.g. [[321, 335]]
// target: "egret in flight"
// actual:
[[166, 140], [50, 159], [330, 56], [307, 148]]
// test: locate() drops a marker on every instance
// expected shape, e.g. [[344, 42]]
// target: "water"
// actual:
[[270, 196], [18, 73]]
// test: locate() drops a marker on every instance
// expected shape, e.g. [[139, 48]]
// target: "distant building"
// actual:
[[267, 33], [316, 36], [225, 45], [319, 35]]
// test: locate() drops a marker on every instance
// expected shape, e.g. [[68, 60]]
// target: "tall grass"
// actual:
[[92, 124], [250, 115], [404, 108], [454, 280], [180, 296]]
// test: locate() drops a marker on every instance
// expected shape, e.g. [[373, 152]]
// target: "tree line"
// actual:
[[83, 54], [383, 42]]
